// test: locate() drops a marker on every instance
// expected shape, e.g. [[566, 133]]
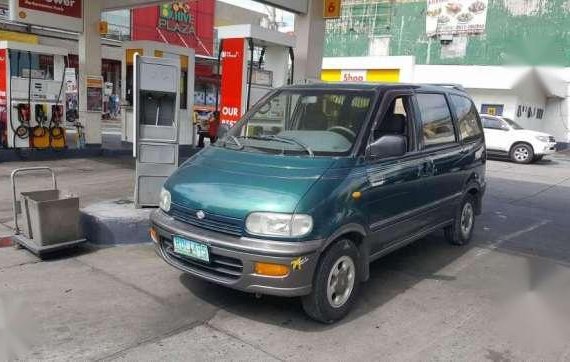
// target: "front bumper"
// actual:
[[547, 149], [233, 258]]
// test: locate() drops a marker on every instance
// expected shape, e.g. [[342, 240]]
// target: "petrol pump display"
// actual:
[[31, 96]]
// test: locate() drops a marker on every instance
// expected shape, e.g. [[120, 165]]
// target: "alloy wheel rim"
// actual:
[[521, 154], [341, 281], [467, 215]]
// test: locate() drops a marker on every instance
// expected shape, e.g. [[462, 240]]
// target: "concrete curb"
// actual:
[[115, 222]]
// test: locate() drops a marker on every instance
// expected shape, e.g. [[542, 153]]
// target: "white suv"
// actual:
[[504, 137]]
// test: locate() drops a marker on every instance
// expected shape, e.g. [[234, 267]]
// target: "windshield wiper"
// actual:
[[235, 141], [286, 140]]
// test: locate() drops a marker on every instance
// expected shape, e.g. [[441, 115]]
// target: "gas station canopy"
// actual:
[[295, 6]]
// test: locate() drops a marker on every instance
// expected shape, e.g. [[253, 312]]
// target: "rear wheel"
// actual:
[[522, 153], [461, 231], [335, 283]]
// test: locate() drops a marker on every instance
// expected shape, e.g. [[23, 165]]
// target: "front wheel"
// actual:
[[335, 283], [522, 153], [461, 231]]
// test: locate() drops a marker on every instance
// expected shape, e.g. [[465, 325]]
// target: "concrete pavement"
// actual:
[[502, 298]]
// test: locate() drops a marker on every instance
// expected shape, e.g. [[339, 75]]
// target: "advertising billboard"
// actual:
[[232, 62], [456, 17], [60, 14]]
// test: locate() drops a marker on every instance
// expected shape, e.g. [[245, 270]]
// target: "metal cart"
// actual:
[[50, 218]]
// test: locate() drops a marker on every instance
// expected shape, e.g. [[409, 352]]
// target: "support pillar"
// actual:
[[310, 32], [90, 64]]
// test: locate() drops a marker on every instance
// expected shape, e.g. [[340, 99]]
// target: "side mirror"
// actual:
[[387, 146]]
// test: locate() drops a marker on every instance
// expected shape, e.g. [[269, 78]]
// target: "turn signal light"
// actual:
[[271, 270], [154, 235]]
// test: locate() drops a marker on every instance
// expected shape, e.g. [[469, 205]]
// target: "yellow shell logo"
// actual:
[[22, 14]]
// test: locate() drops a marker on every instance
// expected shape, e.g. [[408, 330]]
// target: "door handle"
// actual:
[[427, 168]]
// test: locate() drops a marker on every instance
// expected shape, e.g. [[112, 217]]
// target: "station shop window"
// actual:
[[25, 64]]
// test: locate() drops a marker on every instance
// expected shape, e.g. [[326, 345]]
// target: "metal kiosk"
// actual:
[[156, 128]]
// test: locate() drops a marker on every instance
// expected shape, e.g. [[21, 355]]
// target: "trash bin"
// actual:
[[50, 217]]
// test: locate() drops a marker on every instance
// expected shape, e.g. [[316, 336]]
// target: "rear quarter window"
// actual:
[[467, 118], [437, 126]]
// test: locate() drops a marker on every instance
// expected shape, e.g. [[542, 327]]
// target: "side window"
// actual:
[[396, 120], [437, 126], [469, 128], [492, 123]]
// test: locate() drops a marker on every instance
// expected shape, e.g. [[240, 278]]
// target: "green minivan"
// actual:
[[316, 181]]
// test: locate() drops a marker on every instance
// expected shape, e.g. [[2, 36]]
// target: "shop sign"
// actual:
[[232, 63], [353, 75], [60, 14], [456, 17], [176, 17]]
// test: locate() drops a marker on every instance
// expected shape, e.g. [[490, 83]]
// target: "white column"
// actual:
[[90, 64], [310, 32]]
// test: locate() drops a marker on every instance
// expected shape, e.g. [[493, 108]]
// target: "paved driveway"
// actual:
[[505, 297]]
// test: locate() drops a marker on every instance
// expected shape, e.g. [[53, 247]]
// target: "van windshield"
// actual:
[[303, 122]]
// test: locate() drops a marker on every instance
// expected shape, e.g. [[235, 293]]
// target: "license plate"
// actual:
[[191, 248]]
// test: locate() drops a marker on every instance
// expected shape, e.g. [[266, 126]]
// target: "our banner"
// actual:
[[232, 80], [456, 17]]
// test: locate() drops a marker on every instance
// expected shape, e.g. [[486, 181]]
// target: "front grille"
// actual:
[[222, 224], [221, 267], [551, 139]]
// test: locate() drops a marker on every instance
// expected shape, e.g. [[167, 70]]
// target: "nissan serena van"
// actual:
[[317, 181]]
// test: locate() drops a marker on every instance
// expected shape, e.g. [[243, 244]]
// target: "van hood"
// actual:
[[235, 183]]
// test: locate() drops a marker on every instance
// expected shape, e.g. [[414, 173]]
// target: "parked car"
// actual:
[[504, 137], [319, 180]]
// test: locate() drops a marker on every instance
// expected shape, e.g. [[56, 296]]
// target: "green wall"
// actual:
[[540, 37]]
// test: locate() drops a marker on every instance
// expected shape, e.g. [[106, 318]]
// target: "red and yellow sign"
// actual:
[[103, 27], [232, 80], [59, 7], [3, 100], [331, 9]]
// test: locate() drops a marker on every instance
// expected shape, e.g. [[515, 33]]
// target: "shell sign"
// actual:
[[331, 9]]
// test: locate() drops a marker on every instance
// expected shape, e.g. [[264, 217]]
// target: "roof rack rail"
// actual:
[[458, 87]]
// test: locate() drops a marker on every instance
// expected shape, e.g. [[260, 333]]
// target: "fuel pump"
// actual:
[[56, 131], [254, 61], [32, 81]]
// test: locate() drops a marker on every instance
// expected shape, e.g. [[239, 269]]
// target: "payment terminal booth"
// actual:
[[253, 61], [156, 103], [32, 107], [185, 57]]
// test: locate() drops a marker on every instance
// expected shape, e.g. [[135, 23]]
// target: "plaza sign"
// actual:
[[176, 17], [59, 14]]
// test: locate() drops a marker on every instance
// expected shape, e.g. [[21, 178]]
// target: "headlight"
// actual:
[[165, 200], [542, 138], [275, 224]]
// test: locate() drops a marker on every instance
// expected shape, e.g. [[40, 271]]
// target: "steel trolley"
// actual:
[[50, 218]]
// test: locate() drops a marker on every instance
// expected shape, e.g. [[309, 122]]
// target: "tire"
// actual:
[[319, 305], [522, 153], [461, 231]]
